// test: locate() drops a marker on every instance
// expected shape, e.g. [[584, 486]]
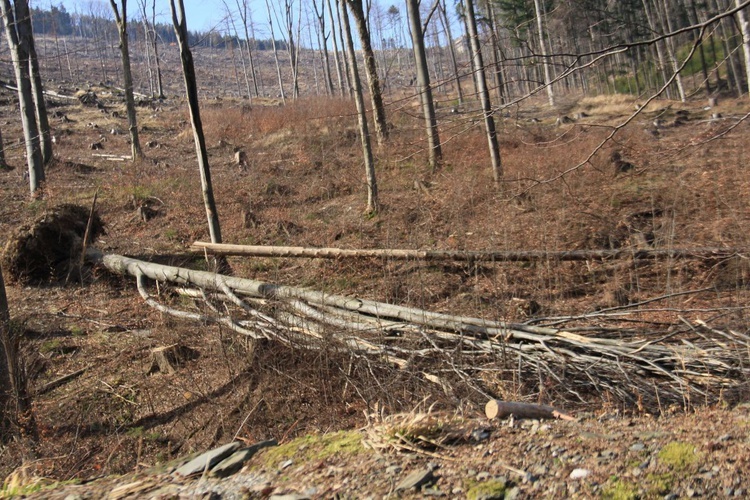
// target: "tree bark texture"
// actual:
[[18, 36], [121, 18], [364, 133], [191, 88], [373, 82], [435, 153], [484, 94], [742, 17]]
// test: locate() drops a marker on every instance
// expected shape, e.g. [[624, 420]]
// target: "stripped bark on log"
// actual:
[[226, 249]]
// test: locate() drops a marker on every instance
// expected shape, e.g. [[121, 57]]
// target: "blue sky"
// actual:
[[202, 15]]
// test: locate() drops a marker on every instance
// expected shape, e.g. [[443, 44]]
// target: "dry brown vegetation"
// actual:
[[304, 185]]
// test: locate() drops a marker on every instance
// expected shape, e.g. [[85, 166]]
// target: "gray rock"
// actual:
[[208, 460], [416, 479], [483, 475], [579, 473], [234, 463], [637, 447], [513, 493]]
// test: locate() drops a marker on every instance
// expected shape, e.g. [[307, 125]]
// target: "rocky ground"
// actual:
[[607, 455]]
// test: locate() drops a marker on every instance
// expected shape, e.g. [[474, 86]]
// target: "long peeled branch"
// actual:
[[226, 249]]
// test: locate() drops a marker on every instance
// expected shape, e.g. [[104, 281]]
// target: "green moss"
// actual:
[[620, 490], [660, 484], [314, 447], [485, 490], [678, 456]]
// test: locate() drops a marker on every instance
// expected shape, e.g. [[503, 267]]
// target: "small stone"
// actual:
[[671, 496], [739, 492], [483, 476], [691, 493], [638, 447], [579, 473], [480, 435], [513, 493], [207, 460], [416, 479], [234, 463], [286, 464]]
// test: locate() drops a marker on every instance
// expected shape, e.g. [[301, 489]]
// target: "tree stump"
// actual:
[[167, 359]]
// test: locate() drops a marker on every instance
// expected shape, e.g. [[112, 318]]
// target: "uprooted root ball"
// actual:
[[49, 248]]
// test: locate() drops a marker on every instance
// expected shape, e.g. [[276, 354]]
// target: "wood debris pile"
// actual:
[[684, 364]]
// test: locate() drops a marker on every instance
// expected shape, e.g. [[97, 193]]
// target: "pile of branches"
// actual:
[[684, 365]]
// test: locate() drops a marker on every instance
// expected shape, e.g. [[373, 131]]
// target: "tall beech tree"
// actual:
[[121, 18]]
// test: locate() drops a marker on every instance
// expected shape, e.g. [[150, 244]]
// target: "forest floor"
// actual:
[[302, 184]]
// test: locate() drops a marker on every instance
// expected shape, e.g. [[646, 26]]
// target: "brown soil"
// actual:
[[303, 185]]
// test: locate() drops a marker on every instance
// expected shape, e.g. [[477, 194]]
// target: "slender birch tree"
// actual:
[[191, 89]]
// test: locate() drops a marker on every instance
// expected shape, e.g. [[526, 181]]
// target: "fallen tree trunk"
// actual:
[[652, 369], [489, 256]]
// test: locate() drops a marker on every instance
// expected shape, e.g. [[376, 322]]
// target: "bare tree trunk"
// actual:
[[2, 152], [16, 413], [543, 52], [242, 7], [659, 47], [445, 21], [37, 92], [292, 45], [372, 186], [381, 128], [121, 18], [496, 52], [666, 22], [484, 94], [745, 29], [191, 89], [335, 50], [155, 47], [323, 40], [18, 36], [345, 60], [7, 419], [435, 153], [275, 53]]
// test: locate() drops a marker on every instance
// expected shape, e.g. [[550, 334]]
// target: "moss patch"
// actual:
[[485, 490], [314, 447], [620, 490], [678, 456]]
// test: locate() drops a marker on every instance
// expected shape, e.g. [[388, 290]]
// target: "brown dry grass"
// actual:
[[304, 186]]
